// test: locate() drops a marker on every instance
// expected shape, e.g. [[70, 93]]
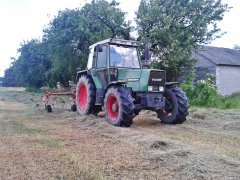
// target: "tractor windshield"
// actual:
[[124, 56]]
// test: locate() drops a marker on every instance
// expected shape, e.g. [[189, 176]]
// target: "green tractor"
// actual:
[[116, 81]]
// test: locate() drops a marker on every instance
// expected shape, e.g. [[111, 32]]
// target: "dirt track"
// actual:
[[35, 144]]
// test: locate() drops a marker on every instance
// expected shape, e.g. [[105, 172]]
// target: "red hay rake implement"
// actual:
[[51, 97]]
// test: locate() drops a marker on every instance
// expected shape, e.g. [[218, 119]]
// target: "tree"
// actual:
[[176, 27], [1, 80], [32, 64], [71, 32], [59, 38], [106, 20], [65, 44], [10, 76]]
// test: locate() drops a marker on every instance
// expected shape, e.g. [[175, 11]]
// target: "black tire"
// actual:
[[118, 106], [49, 108], [74, 108], [176, 108], [96, 110], [85, 95], [136, 112]]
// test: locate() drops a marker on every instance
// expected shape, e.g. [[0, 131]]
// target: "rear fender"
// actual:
[[79, 73], [116, 83], [171, 84]]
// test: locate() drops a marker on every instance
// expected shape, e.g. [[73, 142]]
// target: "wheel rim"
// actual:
[[166, 113], [168, 108], [112, 108], [82, 96]]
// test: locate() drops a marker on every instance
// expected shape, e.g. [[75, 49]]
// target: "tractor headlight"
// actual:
[[150, 88], [156, 88], [161, 88]]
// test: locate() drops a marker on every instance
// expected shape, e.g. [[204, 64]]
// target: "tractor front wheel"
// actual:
[[176, 108], [118, 106], [85, 95]]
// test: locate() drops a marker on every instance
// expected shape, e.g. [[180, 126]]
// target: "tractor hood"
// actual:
[[141, 79]]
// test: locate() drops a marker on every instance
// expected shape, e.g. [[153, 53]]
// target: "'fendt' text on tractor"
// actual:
[[115, 81]]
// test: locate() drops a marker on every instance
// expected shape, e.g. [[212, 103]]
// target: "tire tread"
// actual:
[[182, 105]]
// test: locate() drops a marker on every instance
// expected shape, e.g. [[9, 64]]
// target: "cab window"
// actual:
[[102, 57], [124, 56]]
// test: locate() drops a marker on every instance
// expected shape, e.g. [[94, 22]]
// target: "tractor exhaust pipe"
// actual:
[[147, 61]]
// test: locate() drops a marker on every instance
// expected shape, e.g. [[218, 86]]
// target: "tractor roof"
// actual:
[[116, 41]]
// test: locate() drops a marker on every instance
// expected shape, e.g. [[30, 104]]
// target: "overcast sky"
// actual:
[[24, 19]]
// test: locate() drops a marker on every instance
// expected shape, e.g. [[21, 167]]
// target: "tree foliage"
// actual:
[[65, 43], [10, 77], [70, 34], [32, 64], [30, 67], [176, 27]]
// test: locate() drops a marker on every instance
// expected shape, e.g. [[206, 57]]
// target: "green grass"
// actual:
[[21, 129], [216, 101], [229, 102]]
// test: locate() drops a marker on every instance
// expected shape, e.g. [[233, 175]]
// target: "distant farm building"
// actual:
[[224, 63]]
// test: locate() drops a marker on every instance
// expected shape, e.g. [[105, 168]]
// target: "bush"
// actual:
[[204, 93]]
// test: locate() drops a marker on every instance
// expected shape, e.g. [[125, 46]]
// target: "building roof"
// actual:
[[218, 56]]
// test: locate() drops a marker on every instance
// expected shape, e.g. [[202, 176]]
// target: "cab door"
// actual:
[[101, 65]]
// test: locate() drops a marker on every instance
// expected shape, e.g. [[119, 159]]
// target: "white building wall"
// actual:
[[228, 79]]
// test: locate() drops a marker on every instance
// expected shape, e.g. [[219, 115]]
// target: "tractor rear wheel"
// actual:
[[85, 95], [118, 106], [176, 108]]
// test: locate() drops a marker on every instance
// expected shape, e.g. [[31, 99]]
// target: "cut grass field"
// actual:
[[35, 144]]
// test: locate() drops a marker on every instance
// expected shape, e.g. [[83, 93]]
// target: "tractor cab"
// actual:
[[109, 57]]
